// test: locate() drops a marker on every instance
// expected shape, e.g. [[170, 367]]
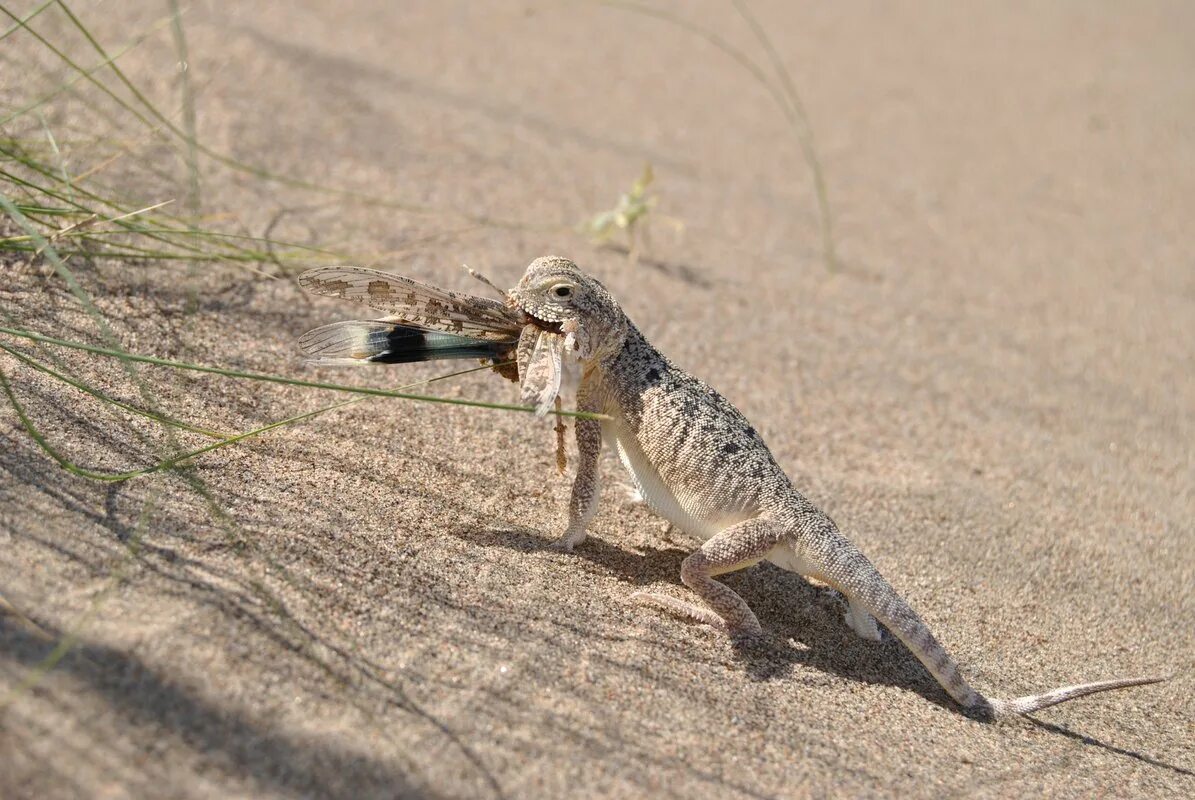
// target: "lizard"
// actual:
[[697, 462]]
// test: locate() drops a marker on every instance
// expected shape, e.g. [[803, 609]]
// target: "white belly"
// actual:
[[683, 515], [784, 556], [680, 511]]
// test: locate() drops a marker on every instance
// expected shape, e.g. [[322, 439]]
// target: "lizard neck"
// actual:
[[627, 365], [635, 349]]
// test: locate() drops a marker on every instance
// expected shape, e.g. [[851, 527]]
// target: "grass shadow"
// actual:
[[220, 734]]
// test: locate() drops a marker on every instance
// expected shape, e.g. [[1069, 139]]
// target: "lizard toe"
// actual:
[[681, 609], [567, 542]]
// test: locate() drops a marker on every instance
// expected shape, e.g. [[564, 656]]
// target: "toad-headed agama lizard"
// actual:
[[694, 458]]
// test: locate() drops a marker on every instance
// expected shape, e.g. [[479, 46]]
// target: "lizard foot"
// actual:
[[748, 630], [567, 542], [862, 622]]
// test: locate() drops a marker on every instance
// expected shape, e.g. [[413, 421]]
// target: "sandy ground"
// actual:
[[995, 396]]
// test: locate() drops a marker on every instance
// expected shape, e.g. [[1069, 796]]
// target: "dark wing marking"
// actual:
[[416, 304], [382, 342]]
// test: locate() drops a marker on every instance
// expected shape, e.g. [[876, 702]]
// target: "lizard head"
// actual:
[[555, 295]]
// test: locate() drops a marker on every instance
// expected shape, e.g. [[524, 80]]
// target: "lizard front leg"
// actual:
[[587, 485], [734, 548]]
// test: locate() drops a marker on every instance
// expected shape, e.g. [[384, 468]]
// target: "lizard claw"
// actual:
[[742, 633], [567, 542]]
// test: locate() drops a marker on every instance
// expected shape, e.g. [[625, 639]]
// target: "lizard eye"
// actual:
[[562, 290]]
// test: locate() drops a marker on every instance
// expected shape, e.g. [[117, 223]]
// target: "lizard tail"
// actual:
[[850, 571], [382, 342], [1036, 702]]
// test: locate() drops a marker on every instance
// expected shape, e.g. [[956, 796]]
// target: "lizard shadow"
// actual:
[[641, 568], [803, 624], [1111, 748], [791, 609]]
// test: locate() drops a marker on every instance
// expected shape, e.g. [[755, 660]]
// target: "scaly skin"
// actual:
[[699, 463], [695, 458]]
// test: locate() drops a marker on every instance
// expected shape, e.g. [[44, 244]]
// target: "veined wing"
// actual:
[[416, 304], [541, 370], [382, 342]]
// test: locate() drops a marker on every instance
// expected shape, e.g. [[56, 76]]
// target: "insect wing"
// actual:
[[540, 369], [417, 304]]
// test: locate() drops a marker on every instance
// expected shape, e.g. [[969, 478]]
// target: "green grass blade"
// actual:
[[260, 376], [179, 460], [21, 22], [184, 67], [106, 398], [79, 75], [78, 69], [803, 130], [232, 163], [785, 97]]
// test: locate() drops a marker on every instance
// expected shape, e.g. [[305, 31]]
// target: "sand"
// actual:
[[994, 396]]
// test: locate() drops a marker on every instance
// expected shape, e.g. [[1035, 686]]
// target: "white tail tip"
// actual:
[[1036, 702]]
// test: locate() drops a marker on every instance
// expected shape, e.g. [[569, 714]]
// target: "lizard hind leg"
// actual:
[[861, 621], [788, 556], [734, 548]]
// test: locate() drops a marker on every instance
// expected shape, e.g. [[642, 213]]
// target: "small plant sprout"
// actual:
[[632, 207]]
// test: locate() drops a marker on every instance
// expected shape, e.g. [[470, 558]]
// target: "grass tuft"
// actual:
[[781, 88], [75, 135], [76, 101]]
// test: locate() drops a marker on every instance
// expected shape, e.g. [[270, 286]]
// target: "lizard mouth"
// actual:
[[542, 324], [527, 318]]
